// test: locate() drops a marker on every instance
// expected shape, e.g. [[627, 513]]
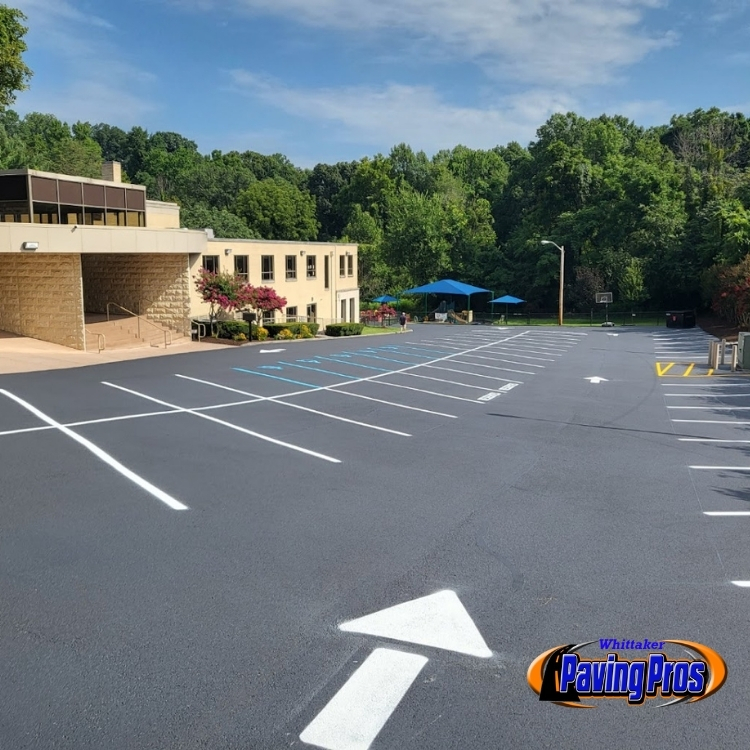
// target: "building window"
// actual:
[[312, 313], [351, 310], [350, 265], [269, 316], [291, 267], [327, 272], [311, 267], [46, 213], [241, 266], [211, 263], [343, 310], [291, 314], [93, 217], [342, 265], [266, 267]]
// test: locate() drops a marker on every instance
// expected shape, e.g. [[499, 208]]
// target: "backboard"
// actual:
[[603, 298]]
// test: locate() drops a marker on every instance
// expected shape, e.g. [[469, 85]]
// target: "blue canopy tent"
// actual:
[[446, 286], [507, 300], [385, 298]]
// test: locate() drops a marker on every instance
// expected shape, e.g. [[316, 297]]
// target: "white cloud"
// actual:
[[100, 84], [381, 117], [727, 10], [539, 42]]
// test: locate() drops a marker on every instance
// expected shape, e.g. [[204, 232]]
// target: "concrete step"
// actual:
[[121, 332]]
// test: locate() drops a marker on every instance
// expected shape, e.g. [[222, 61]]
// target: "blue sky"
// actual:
[[336, 80]]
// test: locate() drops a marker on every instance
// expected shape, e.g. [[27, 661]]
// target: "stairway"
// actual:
[[121, 332]]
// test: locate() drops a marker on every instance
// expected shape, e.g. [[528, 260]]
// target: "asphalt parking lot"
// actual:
[[182, 540]]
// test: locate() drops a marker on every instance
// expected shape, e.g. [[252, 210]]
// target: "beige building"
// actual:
[[80, 249]]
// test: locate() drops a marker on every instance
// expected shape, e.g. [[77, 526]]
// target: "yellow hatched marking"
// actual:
[[662, 372], [687, 372]]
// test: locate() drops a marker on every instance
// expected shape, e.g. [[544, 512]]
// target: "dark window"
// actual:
[[350, 265], [72, 215], [266, 268], [93, 217], [291, 314], [312, 313], [342, 265], [93, 195], [291, 267], [211, 263], [14, 211], [43, 190], [311, 270], [240, 267], [13, 187], [46, 213], [327, 272]]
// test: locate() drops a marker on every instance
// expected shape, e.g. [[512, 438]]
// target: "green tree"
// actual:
[[225, 224], [631, 284], [14, 73], [278, 210]]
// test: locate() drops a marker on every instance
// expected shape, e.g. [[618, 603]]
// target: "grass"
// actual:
[[380, 329]]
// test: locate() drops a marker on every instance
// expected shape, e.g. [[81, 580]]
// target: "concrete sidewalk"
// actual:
[[20, 354]]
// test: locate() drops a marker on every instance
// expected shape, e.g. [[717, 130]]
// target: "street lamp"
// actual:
[[562, 275]]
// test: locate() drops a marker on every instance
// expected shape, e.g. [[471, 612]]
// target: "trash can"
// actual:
[[249, 318], [681, 319]]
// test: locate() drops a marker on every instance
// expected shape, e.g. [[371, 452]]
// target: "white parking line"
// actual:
[[476, 375], [453, 382], [729, 514], [525, 350], [707, 395], [100, 454], [709, 421], [497, 359], [720, 468], [742, 584], [710, 440], [712, 408], [301, 408], [502, 369], [741, 384], [422, 390], [231, 426]]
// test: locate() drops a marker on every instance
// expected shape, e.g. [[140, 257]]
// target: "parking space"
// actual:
[[711, 420], [183, 538]]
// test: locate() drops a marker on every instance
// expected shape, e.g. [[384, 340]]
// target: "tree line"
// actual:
[[650, 214]]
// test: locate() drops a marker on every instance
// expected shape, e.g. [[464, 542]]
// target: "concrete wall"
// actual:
[[41, 297], [160, 215], [159, 283], [89, 239], [299, 293]]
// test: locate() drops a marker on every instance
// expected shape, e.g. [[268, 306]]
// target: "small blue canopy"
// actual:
[[446, 286], [507, 300], [385, 298]]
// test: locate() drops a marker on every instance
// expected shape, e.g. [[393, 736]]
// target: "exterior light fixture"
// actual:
[[228, 251], [30, 245]]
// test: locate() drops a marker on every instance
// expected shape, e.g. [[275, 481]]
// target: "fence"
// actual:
[[594, 317]]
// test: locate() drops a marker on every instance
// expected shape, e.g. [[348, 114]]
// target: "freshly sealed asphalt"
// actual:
[[558, 510]]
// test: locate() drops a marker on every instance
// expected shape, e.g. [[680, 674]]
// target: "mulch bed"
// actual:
[[718, 327]]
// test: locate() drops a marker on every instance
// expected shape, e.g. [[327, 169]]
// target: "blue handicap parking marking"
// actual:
[[354, 364], [275, 377], [318, 369], [310, 361], [269, 367]]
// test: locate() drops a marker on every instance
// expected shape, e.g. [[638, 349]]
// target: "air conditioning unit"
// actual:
[[743, 350]]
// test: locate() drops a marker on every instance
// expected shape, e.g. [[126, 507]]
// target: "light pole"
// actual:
[[562, 276]]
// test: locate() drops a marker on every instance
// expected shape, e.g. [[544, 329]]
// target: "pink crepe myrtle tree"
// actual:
[[229, 293]]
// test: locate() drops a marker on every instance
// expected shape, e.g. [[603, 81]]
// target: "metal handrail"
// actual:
[[145, 320], [198, 330], [101, 340]]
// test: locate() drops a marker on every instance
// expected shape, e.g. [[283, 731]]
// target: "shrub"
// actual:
[[239, 337], [344, 329], [305, 332], [260, 333], [274, 329], [228, 329], [284, 335]]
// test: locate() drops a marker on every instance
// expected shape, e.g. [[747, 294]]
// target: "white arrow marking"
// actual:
[[613, 334], [271, 351], [596, 381], [356, 714], [438, 620]]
